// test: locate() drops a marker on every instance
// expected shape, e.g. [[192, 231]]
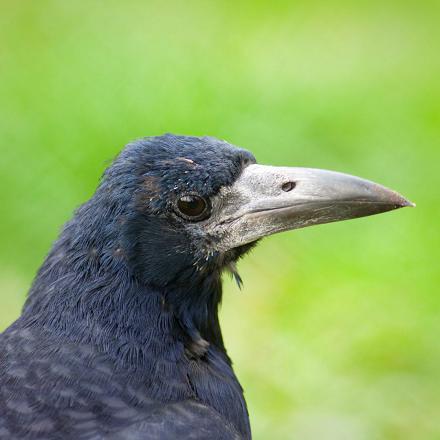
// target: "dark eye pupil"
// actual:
[[192, 206]]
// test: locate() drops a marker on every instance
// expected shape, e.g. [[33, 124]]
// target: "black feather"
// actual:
[[119, 337]]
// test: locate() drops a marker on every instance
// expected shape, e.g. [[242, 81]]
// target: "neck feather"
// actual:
[[86, 291]]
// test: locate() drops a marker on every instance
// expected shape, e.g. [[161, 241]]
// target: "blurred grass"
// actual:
[[336, 333]]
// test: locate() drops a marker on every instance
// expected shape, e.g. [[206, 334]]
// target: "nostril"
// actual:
[[288, 186]]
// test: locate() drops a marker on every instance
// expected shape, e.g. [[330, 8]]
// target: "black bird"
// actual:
[[119, 337]]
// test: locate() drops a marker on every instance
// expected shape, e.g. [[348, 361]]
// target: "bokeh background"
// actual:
[[336, 333]]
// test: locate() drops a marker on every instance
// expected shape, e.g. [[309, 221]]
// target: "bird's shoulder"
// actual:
[[72, 391], [188, 420]]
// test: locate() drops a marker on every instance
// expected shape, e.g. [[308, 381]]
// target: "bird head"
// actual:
[[197, 204], [170, 215]]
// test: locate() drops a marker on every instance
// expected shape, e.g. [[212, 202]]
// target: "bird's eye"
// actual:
[[193, 207]]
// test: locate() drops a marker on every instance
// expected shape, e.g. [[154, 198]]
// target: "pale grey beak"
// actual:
[[266, 200]]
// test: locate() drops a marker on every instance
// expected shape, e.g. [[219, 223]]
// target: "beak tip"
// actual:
[[407, 203]]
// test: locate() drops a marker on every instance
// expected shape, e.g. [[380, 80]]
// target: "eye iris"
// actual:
[[191, 206]]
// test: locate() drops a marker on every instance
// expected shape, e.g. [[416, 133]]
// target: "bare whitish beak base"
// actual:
[[266, 200]]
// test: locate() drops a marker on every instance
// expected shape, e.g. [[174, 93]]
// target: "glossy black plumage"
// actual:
[[119, 337]]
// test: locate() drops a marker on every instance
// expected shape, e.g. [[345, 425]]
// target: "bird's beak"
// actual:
[[266, 200]]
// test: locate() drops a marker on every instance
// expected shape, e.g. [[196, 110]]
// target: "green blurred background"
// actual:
[[335, 335]]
